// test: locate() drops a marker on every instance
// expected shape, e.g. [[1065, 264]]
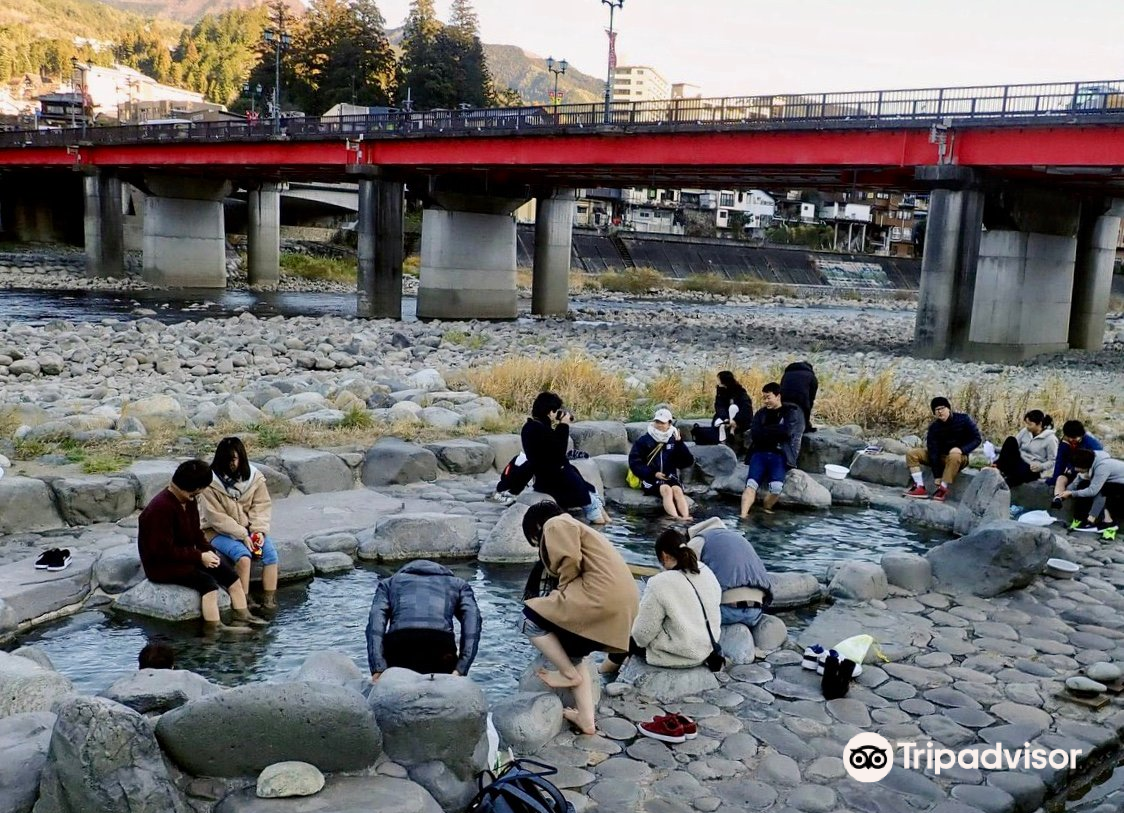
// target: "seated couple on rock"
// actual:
[[546, 440], [951, 437], [656, 458], [411, 622]]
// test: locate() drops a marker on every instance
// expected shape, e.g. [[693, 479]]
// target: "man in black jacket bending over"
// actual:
[[950, 439]]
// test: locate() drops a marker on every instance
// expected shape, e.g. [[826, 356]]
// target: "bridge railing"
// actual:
[[991, 103]]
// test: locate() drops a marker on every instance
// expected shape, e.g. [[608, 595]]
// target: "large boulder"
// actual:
[[168, 602], [27, 505], [883, 469], [118, 568], [860, 581], [526, 721], [599, 437], [770, 633], [94, 498], [27, 686], [292, 406], [737, 644], [293, 563], [909, 571], [986, 498], [666, 685], [329, 666], [150, 477], [801, 491], [828, 446], [462, 456], [590, 472], [930, 513], [506, 543], [342, 794], [103, 758], [395, 462], [613, 469], [24, 739], [156, 412], [845, 492], [997, 556], [155, 691], [420, 536], [314, 472], [529, 681], [504, 448], [31, 594], [276, 481], [713, 463], [430, 719], [241, 732], [792, 590]]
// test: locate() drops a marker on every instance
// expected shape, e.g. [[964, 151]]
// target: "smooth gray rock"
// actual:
[[931, 514], [94, 498], [613, 469], [103, 758], [27, 505], [987, 498], [504, 447], [342, 794], [791, 590], [860, 581], [770, 633], [420, 536], [312, 471], [31, 594], [845, 492], [666, 685], [430, 719], [801, 491], [506, 543], [462, 456], [599, 437], [828, 446], [883, 469], [893, 631], [396, 462], [35, 654], [529, 681], [293, 406], [168, 602], [329, 666], [737, 644], [283, 780], [293, 562], [26, 686], [713, 462], [997, 556], [24, 739], [326, 564], [241, 732], [277, 482], [337, 542], [156, 691], [156, 412], [118, 568], [150, 477], [908, 571], [526, 721]]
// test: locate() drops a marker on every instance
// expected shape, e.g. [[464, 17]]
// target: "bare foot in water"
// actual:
[[556, 680], [574, 718]]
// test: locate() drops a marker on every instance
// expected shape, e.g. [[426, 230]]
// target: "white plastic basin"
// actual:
[[1062, 568], [834, 472]]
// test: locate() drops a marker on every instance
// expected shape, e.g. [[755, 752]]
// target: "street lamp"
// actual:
[[613, 6], [253, 92], [279, 39], [557, 71]]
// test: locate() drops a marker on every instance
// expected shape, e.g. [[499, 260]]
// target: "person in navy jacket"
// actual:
[[950, 439]]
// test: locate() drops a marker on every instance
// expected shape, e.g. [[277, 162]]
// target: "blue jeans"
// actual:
[[766, 467], [739, 615], [235, 549]]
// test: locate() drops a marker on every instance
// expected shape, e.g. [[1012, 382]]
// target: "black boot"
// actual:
[[837, 678]]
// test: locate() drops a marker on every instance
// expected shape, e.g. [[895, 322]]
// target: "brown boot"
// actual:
[[244, 618]]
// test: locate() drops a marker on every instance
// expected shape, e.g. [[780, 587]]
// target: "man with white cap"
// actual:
[[746, 589], [656, 459]]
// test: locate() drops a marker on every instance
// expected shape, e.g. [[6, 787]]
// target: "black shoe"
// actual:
[[1056, 503], [45, 558], [1086, 527], [1107, 526], [59, 560], [837, 678]]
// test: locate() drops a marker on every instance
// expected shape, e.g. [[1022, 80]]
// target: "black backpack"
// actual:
[[520, 790], [514, 478]]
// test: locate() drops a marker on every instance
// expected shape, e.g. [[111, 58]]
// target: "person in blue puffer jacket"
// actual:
[[656, 458]]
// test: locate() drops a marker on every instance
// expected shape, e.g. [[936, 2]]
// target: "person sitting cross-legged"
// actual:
[[950, 439], [173, 549]]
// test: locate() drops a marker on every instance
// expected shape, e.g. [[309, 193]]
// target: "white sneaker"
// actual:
[[502, 497]]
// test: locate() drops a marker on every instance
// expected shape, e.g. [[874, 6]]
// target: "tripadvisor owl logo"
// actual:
[[868, 757]]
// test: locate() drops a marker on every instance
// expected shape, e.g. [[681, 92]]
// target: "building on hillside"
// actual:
[[849, 222], [127, 95], [639, 83], [895, 218], [62, 110], [794, 210]]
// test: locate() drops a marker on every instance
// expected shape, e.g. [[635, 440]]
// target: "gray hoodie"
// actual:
[[1104, 470]]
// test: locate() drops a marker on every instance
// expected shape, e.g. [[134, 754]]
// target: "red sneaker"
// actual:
[[665, 728], [941, 494], [917, 492], [690, 728]]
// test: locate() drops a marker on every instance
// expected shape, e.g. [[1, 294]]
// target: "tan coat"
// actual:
[[597, 597], [235, 513]]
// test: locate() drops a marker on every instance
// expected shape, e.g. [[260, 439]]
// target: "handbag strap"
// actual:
[[709, 634], [655, 452]]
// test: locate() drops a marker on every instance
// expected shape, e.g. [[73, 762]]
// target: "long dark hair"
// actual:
[[673, 543], [224, 452], [727, 380], [537, 516], [545, 403], [1041, 418]]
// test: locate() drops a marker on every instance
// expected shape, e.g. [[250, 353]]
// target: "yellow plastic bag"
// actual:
[[854, 648], [632, 480]]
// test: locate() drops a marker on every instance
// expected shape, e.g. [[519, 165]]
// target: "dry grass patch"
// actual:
[[634, 281], [330, 269]]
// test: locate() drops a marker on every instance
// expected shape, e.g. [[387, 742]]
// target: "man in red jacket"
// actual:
[[173, 549]]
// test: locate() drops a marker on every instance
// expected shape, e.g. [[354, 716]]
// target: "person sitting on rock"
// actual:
[[1024, 457], [799, 386], [950, 439], [656, 458], [411, 622], [746, 589], [678, 605], [546, 440], [173, 549], [734, 408], [591, 610], [775, 436], [1074, 437], [1098, 476], [236, 511]]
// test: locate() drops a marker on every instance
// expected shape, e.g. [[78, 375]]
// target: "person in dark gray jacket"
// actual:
[[746, 589], [411, 622]]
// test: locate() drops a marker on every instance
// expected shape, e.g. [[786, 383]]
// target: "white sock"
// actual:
[[918, 478], [944, 485]]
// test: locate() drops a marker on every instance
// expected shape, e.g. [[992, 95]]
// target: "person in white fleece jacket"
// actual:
[[670, 629]]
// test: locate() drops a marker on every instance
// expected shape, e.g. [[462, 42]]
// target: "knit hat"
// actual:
[[663, 415], [705, 525], [939, 401]]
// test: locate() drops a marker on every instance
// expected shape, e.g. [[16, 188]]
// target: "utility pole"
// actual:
[[613, 6], [279, 39]]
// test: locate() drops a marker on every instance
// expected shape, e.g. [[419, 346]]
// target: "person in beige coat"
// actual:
[[679, 604], [591, 610], [235, 513]]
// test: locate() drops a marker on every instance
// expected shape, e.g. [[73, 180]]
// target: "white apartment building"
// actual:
[[113, 91], [639, 83]]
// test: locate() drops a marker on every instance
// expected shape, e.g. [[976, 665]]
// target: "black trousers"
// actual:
[[1011, 465], [620, 657], [426, 652], [1113, 494]]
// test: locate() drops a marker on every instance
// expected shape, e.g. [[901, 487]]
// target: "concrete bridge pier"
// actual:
[[381, 249], [104, 223], [184, 232], [554, 228], [1092, 275], [263, 235], [468, 258]]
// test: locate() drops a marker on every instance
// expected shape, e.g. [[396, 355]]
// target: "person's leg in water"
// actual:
[[749, 496], [683, 511], [569, 676], [668, 498]]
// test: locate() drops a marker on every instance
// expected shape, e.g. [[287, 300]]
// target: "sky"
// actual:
[[744, 47]]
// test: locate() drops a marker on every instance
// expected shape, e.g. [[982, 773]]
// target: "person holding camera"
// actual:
[[656, 458], [546, 440]]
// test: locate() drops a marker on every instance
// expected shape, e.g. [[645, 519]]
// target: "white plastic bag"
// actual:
[[1039, 518]]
